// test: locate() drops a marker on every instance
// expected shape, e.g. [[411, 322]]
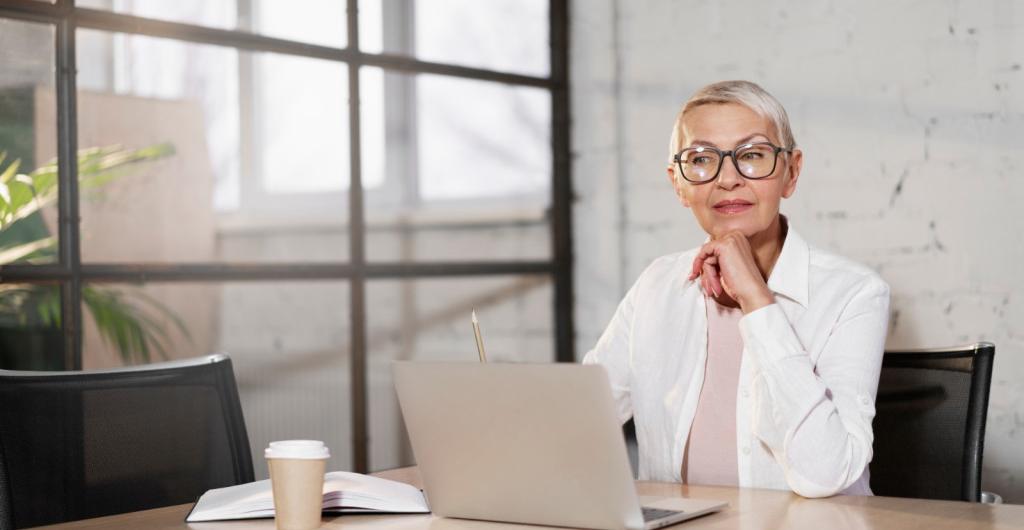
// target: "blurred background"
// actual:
[[215, 170], [319, 187]]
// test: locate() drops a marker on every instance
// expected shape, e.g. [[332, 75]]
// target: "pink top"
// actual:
[[710, 455]]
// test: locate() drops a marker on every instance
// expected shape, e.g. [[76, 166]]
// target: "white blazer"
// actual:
[[808, 376]]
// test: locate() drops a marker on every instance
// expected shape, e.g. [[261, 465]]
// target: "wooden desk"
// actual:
[[748, 509]]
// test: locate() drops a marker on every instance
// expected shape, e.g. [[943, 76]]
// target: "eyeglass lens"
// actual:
[[701, 164]]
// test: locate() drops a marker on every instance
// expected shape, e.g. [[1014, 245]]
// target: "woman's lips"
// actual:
[[734, 206]]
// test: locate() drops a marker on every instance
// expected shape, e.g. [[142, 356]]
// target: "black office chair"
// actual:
[[930, 422], [632, 447], [75, 445]]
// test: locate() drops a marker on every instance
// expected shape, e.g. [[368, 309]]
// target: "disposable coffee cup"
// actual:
[[297, 479]]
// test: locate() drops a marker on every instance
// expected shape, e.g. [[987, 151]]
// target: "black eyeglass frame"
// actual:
[[678, 159]]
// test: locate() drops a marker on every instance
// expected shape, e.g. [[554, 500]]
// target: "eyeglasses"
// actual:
[[753, 161]]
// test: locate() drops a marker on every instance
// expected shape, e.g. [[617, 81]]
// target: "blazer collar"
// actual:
[[790, 276]]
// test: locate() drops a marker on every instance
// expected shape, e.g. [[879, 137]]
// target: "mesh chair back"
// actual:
[[930, 423], [75, 445]]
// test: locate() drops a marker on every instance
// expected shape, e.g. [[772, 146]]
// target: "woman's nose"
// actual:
[[729, 177]]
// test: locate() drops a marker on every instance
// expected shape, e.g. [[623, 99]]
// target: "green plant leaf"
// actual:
[[45, 180], [5, 195], [21, 193], [134, 331], [48, 308], [23, 251], [133, 324], [26, 210], [166, 312], [29, 305], [11, 170], [97, 166]]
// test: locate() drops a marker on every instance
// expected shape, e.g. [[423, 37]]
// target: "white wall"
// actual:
[[911, 118]]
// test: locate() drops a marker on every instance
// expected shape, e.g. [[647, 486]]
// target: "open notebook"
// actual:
[[344, 492]]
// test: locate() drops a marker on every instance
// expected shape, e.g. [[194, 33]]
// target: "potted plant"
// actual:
[[30, 316]]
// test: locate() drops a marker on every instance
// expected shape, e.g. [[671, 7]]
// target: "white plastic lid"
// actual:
[[301, 449]]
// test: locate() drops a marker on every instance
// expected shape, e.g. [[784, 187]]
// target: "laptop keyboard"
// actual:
[[651, 514]]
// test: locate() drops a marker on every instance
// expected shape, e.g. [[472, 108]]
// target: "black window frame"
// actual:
[[70, 273]]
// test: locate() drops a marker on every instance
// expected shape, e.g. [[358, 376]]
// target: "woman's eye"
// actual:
[[751, 155], [700, 160]]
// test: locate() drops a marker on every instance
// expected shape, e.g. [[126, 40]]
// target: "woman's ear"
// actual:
[[796, 163], [677, 185]]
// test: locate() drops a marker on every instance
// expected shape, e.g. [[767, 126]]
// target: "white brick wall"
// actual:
[[910, 115]]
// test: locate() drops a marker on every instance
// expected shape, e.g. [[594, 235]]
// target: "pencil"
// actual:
[[479, 338]]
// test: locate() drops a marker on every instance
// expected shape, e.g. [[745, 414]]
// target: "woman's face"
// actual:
[[731, 202]]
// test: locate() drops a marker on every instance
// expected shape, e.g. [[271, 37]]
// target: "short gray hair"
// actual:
[[744, 93]]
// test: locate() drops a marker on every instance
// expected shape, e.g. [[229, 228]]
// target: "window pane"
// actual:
[[455, 169], [481, 139], [314, 21], [31, 337], [235, 156], [504, 35], [430, 320], [303, 128], [288, 341], [28, 143], [371, 30]]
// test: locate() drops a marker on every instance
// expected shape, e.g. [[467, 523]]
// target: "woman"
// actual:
[[752, 360]]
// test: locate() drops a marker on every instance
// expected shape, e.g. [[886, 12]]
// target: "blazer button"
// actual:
[[746, 449]]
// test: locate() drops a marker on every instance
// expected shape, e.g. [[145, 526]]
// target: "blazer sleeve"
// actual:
[[614, 351], [816, 418]]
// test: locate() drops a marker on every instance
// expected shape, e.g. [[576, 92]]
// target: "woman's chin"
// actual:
[[748, 225], [721, 229]]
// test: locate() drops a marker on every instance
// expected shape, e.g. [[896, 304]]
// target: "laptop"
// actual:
[[527, 443]]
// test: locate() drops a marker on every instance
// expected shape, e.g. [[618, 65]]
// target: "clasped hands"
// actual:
[[727, 266]]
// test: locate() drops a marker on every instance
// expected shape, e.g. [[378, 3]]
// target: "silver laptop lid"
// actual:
[[526, 443]]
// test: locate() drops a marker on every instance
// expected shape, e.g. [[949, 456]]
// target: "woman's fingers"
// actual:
[[710, 271], [707, 252], [705, 266], [698, 262], [726, 289], [727, 266]]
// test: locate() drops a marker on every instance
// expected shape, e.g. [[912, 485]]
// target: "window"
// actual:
[[250, 179]]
